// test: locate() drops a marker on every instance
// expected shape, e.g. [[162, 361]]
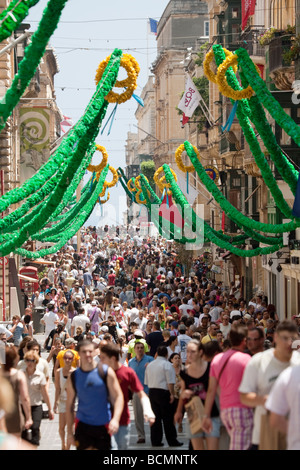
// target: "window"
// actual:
[[235, 30], [206, 28], [235, 12]]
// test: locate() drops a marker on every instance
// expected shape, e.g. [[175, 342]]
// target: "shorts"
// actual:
[[87, 436], [62, 406], [215, 432]]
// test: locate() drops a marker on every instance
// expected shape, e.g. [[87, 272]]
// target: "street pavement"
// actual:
[[50, 439]]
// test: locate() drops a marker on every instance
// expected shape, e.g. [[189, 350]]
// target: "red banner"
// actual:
[[248, 9]]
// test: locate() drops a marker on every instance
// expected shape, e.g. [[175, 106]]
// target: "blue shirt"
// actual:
[[93, 405], [139, 368]]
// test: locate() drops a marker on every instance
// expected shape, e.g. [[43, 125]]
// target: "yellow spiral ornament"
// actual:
[[179, 162], [161, 181], [132, 68], [207, 61], [131, 186], [224, 88], [139, 190], [107, 199], [99, 168]]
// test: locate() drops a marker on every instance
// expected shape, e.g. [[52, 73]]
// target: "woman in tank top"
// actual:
[[60, 401], [194, 382], [15, 421]]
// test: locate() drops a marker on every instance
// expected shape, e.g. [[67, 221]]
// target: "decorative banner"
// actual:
[[34, 140], [191, 98], [248, 9], [212, 172]]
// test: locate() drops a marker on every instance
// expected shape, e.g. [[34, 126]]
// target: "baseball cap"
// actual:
[[94, 302], [138, 333], [104, 329], [247, 316], [235, 312], [174, 324]]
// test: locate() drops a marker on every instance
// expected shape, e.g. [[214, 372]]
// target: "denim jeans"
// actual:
[[120, 440]]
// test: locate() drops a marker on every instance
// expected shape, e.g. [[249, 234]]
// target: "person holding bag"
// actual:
[[60, 401], [194, 385]]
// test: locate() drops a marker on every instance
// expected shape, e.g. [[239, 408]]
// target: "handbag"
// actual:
[[270, 438], [195, 414]]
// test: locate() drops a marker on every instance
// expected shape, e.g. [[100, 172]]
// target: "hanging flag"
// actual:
[[184, 119], [248, 9], [190, 99], [153, 26], [296, 206], [66, 122], [223, 221]]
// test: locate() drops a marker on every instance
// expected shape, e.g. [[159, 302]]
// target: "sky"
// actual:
[[87, 33]]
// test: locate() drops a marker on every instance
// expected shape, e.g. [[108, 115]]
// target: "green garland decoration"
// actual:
[[265, 97], [88, 128], [229, 209], [33, 54], [80, 220], [181, 200], [69, 216], [243, 112], [13, 15]]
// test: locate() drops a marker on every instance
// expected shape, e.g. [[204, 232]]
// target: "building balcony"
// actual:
[[281, 71], [250, 42]]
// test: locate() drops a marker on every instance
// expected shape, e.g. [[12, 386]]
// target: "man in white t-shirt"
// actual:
[[183, 340], [283, 403], [185, 308], [80, 320], [50, 319], [262, 371]]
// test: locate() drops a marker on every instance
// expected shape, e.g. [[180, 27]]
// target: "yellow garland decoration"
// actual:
[[132, 68], [224, 88], [161, 183], [179, 162], [99, 168], [103, 202], [139, 190], [131, 189], [206, 65], [114, 180]]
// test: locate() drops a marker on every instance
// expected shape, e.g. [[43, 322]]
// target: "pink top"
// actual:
[[231, 376]]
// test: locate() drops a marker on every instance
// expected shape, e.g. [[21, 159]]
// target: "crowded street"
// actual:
[[149, 228]]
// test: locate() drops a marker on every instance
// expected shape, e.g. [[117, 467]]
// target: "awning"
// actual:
[[26, 278], [42, 261]]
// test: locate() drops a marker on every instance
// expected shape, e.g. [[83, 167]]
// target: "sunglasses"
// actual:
[[29, 360]]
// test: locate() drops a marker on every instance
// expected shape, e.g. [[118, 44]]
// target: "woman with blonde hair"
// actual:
[[61, 376], [36, 383]]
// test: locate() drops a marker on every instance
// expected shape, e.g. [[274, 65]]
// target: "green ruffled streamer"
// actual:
[[265, 97], [69, 216], [80, 220], [17, 9], [229, 209], [211, 235], [88, 128], [33, 54], [243, 111]]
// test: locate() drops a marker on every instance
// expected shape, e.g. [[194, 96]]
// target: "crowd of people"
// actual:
[[124, 321]]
